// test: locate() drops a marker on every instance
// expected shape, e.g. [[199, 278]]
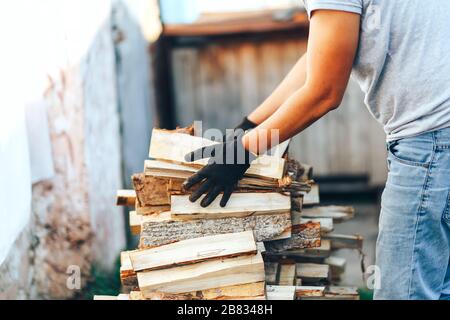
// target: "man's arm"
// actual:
[[332, 45], [293, 81]]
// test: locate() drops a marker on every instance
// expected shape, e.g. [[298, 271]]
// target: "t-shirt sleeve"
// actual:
[[354, 6]]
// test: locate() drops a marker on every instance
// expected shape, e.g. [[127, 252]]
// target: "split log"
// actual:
[[151, 191], [341, 293], [326, 224], [322, 252], [203, 276], [287, 274], [304, 292], [135, 223], [339, 241], [239, 205], [128, 277], [303, 236], [126, 198], [311, 273], [150, 211], [179, 173], [173, 147], [337, 213], [280, 293], [194, 251], [312, 198], [337, 266], [251, 291], [163, 229]]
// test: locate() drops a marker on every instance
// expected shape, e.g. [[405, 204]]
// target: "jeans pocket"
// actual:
[[409, 153]]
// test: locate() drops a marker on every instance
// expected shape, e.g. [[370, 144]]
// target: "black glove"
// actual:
[[227, 165], [245, 125]]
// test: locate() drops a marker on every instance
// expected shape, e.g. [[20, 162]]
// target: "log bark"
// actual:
[[303, 236], [163, 229]]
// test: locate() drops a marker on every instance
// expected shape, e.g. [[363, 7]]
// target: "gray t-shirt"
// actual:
[[403, 61]]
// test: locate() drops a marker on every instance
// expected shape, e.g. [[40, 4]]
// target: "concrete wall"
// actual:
[[90, 98]]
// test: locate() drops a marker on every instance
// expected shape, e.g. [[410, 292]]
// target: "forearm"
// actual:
[[332, 46], [291, 83], [301, 110]]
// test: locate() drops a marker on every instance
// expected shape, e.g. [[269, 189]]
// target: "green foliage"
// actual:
[[365, 294], [102, 283]]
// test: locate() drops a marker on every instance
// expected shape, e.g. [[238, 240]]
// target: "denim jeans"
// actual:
[[413, 247]]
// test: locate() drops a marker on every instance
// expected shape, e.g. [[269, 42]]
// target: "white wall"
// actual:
[[59, 54]]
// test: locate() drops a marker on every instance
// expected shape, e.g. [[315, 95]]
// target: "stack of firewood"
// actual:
[[188, 252]]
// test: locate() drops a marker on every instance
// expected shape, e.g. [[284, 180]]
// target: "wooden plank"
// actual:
[[303, 236], [203, 276], [271, 272], [322, 252], [135, 223], [303, 292], [170, 146], [313, 197], [163, 229], [194, 250], [239, 205], [287, 274], [251, 291], [326, 224], [337, 266], [178, 173], [126, 198], [339, 241], [341, 293], [339, 214], [280, 293], [312, 273], [127, 275]]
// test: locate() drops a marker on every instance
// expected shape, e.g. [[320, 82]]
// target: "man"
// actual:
[[397, 50]]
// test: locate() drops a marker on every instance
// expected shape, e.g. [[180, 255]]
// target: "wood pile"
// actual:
[[271, 241]]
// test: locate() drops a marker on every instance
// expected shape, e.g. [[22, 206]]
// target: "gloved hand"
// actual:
[[227, 165], [245, 125]]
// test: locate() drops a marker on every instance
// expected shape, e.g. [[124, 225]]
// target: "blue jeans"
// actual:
[[413, 248]]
